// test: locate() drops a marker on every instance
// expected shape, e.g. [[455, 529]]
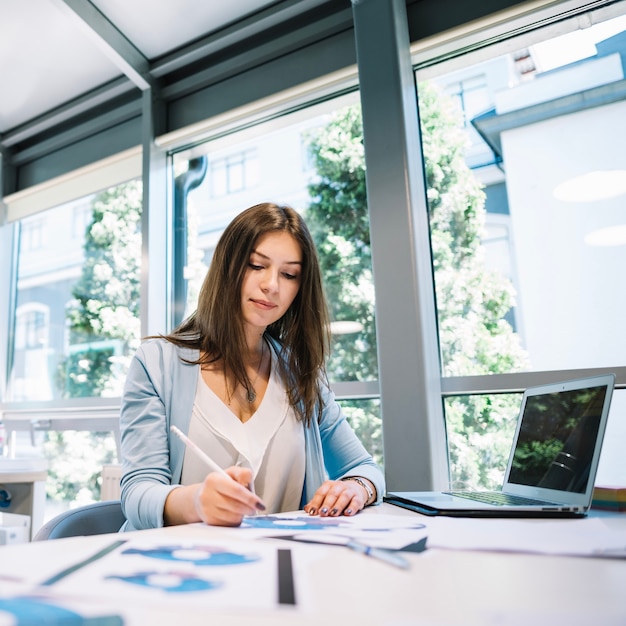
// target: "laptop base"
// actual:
[[423, 509]]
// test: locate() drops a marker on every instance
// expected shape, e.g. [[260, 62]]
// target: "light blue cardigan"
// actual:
[[159, 392]]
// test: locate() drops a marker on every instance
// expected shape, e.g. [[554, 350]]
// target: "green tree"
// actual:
[[104, 329], [103, 318], [475, 337], [339, 223], [472, 301]]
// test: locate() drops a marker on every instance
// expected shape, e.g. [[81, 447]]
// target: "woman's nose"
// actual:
[[269, 282]]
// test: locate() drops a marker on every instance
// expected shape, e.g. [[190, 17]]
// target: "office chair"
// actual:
[[99, 518]]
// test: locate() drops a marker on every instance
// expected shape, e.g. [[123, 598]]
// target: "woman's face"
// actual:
[[272, 279]]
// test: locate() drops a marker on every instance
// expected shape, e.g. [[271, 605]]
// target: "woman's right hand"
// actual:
[[224, 501]]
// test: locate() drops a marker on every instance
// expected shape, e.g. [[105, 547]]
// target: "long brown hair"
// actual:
[[216, 327]]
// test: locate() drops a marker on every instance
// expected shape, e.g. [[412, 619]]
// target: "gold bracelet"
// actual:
[[368, 489]]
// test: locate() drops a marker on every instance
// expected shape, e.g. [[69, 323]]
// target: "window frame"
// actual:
[[484, 40], [91, 414], [153, 160]]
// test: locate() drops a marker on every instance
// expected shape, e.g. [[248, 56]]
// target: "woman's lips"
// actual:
[[264, 304]]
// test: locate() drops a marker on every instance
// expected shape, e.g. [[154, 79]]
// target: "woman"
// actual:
[[244, 378]]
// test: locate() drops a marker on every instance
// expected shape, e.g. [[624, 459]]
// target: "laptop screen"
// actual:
[[557, 439]]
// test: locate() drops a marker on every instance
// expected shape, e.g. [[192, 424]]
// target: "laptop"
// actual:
[[553, 460]]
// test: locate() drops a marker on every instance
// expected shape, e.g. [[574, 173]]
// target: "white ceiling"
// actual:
[[48, 56]]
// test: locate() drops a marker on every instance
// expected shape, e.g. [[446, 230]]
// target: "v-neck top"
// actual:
[[270, 443]]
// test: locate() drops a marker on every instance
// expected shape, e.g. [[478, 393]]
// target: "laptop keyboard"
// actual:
[[496, 498]]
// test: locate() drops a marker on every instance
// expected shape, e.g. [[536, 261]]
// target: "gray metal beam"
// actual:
[[519, 381], [3, 206], [248, 57], [78, 132], [414, 441], [271, 17], [155, 220], [110, 40], [68, 111]]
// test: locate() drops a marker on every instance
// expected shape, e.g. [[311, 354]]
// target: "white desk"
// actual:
[[442, 587]]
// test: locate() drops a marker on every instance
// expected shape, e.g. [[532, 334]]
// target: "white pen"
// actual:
[[202, 455], [379, 553], [388, 556]]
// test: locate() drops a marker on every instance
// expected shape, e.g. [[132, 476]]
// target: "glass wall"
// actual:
[[525, 177], [77, 308], [75, 327], [312, 160], [526, 187]]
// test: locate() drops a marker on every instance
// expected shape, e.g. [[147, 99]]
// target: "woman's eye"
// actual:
[[290, 276], [253, 266]]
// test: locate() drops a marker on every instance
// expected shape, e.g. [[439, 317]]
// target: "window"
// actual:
[[76, 326], [77, 309], [297, 170], [528, 244], [81, 218], [234, 172], [31, 327], [33, 234], [297, 177], [472, 97], [525, 188], [31, 351]]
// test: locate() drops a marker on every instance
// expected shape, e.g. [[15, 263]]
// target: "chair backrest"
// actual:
[[99, 518]]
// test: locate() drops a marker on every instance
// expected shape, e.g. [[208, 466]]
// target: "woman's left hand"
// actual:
[[337, 497]]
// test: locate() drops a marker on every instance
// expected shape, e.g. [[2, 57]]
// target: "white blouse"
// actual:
[[271, 443]]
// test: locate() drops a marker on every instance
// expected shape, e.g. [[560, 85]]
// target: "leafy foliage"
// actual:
[[475, 337], [339, 222], [104, 330], [104, 315], [75, 464]]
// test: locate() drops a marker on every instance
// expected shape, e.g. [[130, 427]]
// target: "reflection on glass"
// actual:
[[557, 439]]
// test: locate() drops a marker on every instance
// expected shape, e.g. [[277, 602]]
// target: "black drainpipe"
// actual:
[[183, 184]]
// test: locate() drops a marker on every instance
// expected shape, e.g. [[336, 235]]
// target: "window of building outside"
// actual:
[[31, 327], [76, 325], [526, 181], [234, 172], [33, 234], [312, 160]]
